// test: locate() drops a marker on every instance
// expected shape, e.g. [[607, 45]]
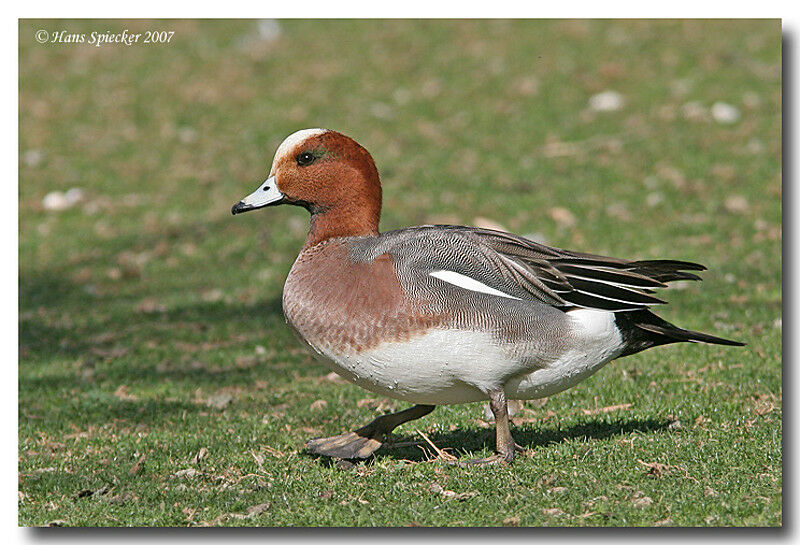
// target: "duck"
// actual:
[[447, 314]]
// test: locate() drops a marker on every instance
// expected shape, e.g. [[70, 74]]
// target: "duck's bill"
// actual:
[[265, 195]]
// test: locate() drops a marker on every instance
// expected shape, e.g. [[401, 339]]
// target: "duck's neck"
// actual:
[[342, 222]]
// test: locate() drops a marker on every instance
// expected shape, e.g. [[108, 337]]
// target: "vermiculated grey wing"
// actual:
[[528, 270]]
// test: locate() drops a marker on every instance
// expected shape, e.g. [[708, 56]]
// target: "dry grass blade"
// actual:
[[447, 457], [610, 408]]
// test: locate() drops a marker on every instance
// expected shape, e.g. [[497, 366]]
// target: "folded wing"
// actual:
[[567, 279]]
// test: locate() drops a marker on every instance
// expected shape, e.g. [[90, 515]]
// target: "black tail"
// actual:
[[642, 329]]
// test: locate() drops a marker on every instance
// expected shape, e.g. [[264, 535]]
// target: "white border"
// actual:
[[319, 9]]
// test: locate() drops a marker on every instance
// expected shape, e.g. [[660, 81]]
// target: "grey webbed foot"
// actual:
[[347, 446], [363, 442]]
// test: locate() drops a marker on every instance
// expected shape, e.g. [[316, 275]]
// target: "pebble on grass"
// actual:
[[32, 158], [57, 200], [725, 113], [607, 101], [562, 216], [737, 204], [269, 30]]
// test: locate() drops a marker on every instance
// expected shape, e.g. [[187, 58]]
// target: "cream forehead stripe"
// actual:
[[290, 142]]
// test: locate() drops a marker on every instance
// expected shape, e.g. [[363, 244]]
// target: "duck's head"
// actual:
[[330, 175]]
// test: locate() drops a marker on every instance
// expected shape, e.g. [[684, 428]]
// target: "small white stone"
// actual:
[[562, 216], [654, 199], [56, 200], [269, 30], [607, 101], [725, 113], [737, 204], [74, 195], [32, 157]]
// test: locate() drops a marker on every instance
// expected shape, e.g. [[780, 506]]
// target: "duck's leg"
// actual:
[[364, 441], [506, 447]]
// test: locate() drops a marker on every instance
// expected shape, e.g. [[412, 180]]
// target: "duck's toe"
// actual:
[[347, 446]]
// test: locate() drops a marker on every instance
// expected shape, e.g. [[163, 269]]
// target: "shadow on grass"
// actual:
[[50, 291], [80, 327], [463, 443], [74, 335], [195, 345]]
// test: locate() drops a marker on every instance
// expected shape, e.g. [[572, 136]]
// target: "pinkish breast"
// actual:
[[348, 306]]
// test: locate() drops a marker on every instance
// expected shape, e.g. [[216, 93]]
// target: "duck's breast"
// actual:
[[348, 306]]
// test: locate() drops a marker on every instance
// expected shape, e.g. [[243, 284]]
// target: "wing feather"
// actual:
[[557, 277], [582, 280]]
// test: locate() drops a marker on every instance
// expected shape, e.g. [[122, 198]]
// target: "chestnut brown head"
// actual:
[[327, 173]]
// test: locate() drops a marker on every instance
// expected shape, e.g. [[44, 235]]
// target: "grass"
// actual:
[[150, 326]]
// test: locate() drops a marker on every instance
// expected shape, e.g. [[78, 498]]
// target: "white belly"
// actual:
[[446, 366], [441, 367]]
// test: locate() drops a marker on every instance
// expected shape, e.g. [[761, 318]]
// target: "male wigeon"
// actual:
[[442, 314]]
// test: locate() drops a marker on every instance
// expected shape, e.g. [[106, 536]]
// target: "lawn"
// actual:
[[158, 381]]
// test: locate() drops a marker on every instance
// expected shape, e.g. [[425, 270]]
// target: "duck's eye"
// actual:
[[306, 158]]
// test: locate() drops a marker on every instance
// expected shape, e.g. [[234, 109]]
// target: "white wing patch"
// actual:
[[468, 283]]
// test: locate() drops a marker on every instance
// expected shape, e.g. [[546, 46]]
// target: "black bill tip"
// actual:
[[240, 207]]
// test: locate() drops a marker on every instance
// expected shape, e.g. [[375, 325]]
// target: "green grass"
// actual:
[[150, 320]]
